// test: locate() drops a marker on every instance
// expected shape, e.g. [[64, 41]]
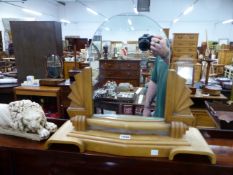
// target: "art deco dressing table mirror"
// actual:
[[132, 135], [126, 135]]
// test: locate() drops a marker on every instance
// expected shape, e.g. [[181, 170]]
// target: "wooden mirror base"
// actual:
[[137, 145]]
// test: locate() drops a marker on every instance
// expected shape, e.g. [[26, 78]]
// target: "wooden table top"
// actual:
[[38, 88]]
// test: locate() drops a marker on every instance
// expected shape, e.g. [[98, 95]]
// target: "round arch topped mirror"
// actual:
[[122, 31]]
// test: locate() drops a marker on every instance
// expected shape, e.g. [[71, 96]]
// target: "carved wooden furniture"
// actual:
[[184, 44], [44, 91], [33, 42], [134, 135], [120, 71]]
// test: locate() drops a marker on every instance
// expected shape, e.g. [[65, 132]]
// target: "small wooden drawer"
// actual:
[[130, 74], [108, 74], [110, 65], [184, 44], [185, 49], [129, 66], [203, 119], [186, 36], [188, 54]]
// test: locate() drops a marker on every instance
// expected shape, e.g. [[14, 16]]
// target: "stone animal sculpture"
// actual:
[[25, 118]]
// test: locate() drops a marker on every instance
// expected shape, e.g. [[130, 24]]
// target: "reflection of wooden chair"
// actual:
[[146, 137]]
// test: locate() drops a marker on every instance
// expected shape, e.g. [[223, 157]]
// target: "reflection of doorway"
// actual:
[[7, 37]]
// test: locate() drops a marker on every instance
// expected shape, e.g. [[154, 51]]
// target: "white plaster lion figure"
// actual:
[[25, 116]]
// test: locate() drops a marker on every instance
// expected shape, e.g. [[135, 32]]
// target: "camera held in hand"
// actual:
[[144, 42]]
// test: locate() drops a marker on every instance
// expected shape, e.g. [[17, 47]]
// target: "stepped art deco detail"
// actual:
[[126, 135]]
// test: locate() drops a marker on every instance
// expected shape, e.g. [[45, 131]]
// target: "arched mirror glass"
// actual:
[[122, 31], [118, 38]]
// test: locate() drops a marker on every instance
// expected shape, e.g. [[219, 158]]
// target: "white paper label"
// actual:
[[125, 137], [154, 152]]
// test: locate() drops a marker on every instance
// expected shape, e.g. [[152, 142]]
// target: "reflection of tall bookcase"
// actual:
[[1, 45]]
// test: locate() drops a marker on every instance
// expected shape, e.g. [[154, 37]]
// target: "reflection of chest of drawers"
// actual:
[[120, 71], [184, 45], [225, 56]]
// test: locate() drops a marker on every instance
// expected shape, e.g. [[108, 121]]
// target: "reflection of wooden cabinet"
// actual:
[[184, 44], [70, 65], [120, 71], [33, 42], [225, 56]]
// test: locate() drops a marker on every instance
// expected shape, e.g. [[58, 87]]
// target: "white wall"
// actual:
[[206, 16]]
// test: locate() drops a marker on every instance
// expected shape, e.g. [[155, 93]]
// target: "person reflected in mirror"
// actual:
[[157, 85]]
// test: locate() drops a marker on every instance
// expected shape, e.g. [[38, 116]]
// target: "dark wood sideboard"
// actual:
[[120, 71]]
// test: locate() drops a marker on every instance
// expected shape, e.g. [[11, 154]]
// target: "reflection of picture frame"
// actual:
[[186, 70], [223, 41]]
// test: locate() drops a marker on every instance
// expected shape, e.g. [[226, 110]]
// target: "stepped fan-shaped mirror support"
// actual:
[[81, 94], [132, 135]]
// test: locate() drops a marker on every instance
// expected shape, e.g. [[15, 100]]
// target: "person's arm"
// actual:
[[150, 95]]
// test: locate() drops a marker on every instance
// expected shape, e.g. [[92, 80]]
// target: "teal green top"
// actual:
[[159, 76]]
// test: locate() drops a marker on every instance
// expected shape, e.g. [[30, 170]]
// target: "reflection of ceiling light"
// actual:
[[107, 29], [175, 20], [188, 10], [132, 28], [135, 10], [32, 12], [92, 11], [106, 19], [130, 22], [227, 21], [29, 19], [65, 21]]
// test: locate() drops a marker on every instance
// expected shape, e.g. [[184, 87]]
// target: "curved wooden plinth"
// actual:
[[132, 145]]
